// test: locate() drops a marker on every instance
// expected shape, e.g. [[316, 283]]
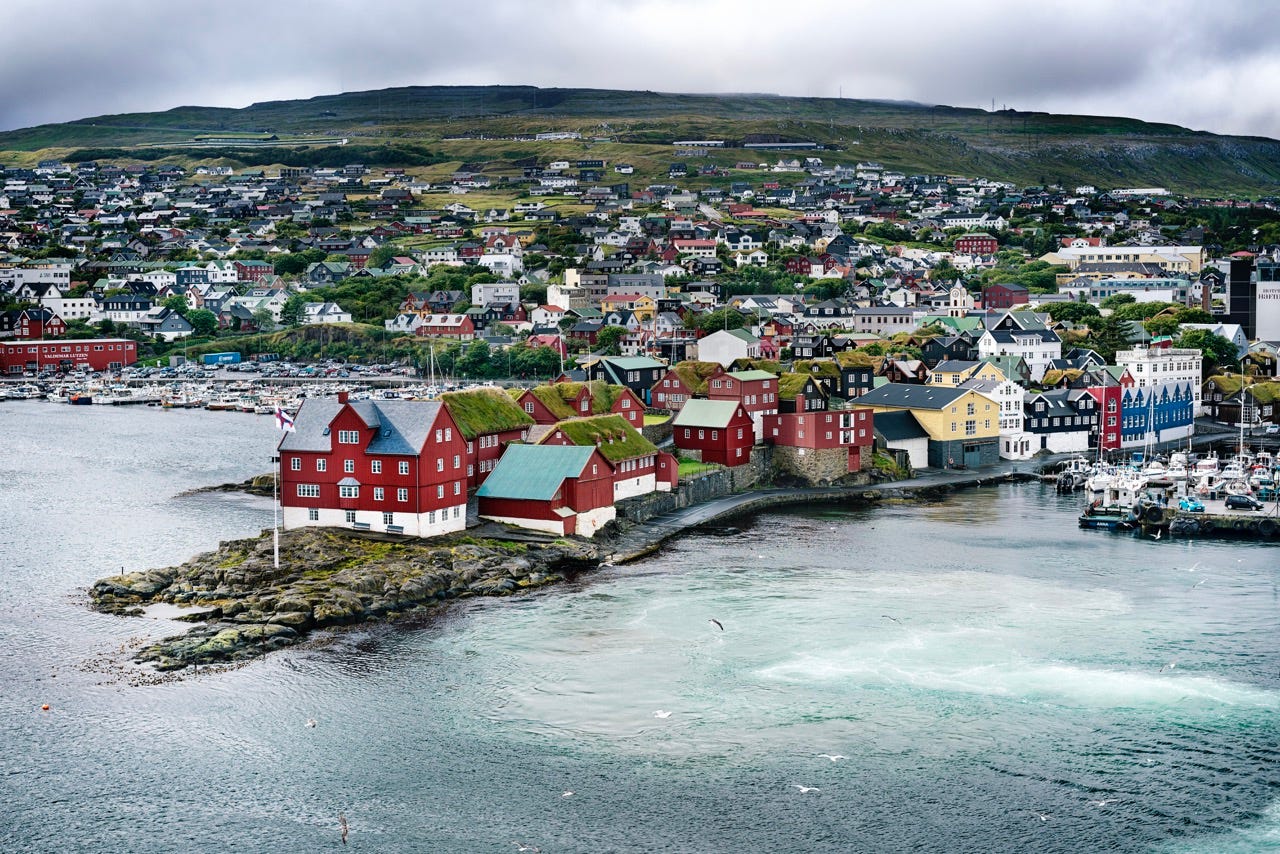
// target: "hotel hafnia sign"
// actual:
[[1268, 311]]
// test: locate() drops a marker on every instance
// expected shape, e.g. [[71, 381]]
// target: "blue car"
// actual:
[[1191, 505]]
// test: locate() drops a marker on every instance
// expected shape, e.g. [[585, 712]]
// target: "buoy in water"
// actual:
[[45, 707]]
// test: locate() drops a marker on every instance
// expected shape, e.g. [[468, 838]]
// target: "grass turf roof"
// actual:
[[484, 410], [694, 374], [616, 439], [791, 384]]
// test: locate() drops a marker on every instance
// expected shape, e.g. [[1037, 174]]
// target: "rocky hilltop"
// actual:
[[245, 606]]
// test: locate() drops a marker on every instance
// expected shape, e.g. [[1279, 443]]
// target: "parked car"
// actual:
[[1272, 429], [1243, 502], [1190, 504]]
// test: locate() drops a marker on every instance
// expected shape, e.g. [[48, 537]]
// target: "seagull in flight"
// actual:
[[1043, 816], [1157, 534], [520, 846], [834, 757], [342, 826], [895, 619], [1104, 802], [1169, 666], [1198, 583], [662, 713], [804, 790], [568, 793], [311, 723], [719, 625]]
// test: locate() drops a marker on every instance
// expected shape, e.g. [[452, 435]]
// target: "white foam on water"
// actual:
[[1255, 837], [980, 662]]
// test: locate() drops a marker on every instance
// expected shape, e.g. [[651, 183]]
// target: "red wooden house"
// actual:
[[489, 420], [547, 404], [452, 326], [31, 324], [562, 490], [847, 433], [757, 391], [683, 382], [637, 465], [384, 465], [719, 431]]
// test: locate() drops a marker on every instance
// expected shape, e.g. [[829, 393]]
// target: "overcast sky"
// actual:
[[1209, 66]]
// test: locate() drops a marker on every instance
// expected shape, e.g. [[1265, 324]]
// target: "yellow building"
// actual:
[[963, 426], [641, 306]]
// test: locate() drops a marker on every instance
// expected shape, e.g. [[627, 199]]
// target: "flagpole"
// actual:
[[275, 510]]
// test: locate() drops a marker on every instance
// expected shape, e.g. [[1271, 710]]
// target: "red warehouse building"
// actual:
[[560, 489], [383, 465], [977, 244], [489, 420], [548, 404], [719, 431], [95, 354]]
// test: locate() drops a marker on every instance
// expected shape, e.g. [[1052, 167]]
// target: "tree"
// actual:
[[292, 310], [1165, 325], [1117, 300], [380, 256], [1218, 351], [176, 303], [263, 319], [607, 340], [1071, 312], [1107, 335], [203, 322]]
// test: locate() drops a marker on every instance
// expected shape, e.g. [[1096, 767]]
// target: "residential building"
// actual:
[[963, 425], [394, 466], [716, 431], [560, 489], [1156, 366]]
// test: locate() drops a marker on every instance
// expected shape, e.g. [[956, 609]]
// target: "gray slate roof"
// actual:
[[403, 425]]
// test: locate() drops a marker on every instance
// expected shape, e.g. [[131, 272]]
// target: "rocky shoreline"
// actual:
[[245, 606]]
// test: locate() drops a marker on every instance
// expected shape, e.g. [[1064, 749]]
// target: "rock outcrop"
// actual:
[[246, 606]]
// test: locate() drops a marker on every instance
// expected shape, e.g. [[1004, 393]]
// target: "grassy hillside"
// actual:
[[1027, 148]]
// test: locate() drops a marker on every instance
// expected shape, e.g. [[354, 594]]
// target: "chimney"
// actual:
[[342, 397]]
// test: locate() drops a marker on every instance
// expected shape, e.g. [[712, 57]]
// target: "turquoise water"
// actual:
[[994, 679]]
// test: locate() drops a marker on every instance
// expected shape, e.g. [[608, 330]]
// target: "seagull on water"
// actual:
[[342, 826], [719, 625], [520, 846], [834, 757], [1104, 802], [1043, 816], [1169, 666], [311, 723], [804, 790], [568, 793], [662, 713]]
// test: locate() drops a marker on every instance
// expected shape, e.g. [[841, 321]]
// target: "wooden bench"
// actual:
[[395, 529], [360, 526]]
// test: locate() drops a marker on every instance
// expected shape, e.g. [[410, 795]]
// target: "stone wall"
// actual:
[[707, 486], [658, 433], [815, 466]]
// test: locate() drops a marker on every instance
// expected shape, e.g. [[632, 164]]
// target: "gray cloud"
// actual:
[[1207, 66]]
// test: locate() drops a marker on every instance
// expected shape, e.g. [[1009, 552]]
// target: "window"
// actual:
[[404, 467], [439, 463], [457, 461], [375, 467], [402, 495], [378, 493], [739, 432], [953, 426], [969, 409], [702, 434], [439, 435], [431, 517], [457, 487], [388, 518], [349, 466], [313, 515], [448, 434], [320, 465], [528, 406], [350, 517], [348, 492], [440, 491], [348, 437], [686, 432], [308, 490], [295, 463], [715, 435]]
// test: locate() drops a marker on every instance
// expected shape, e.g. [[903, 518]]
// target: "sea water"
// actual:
[[988, 677]]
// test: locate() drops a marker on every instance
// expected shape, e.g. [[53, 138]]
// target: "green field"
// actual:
[[417, 123]]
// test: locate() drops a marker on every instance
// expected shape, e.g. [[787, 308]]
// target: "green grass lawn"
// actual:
[[688, 468], [656, 419]]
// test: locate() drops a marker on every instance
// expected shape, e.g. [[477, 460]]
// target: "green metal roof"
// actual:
[[534, 472], [747, 376], [706, 413]]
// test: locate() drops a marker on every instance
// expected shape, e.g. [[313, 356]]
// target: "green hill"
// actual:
[[424, 122]]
